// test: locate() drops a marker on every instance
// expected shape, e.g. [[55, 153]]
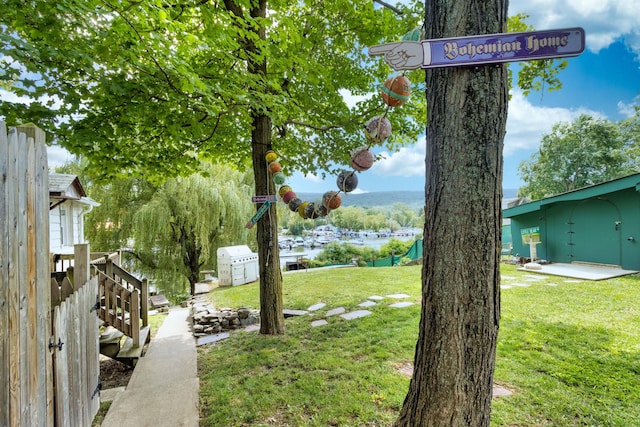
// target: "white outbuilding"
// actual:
[[237, 265]]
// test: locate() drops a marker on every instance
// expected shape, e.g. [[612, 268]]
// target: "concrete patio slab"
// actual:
[[583, 271]]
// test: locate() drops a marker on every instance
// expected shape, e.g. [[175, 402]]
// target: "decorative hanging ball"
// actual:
[[288, 196], [271, 156], [279, 178], [414, 35], [283, 190], [362, 158], [377, 129], [332, 199], [302, 209], [347, 181], [320, 209], [310, 211], [396, 91], [294, 204], [274, 167]]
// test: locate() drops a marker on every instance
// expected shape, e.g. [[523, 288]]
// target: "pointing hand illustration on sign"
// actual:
[[404, 55], [482, 49]]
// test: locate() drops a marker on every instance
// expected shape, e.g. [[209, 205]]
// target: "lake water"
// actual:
[[287, 255]]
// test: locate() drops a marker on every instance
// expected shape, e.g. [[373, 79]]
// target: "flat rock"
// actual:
[[209, 339], [202, 288], [401, 304], [320, 322], [499, 391], [376, 297], [318, 306], [366, 304], [335, 311], [291, 313], [398, 296], [355, 314]]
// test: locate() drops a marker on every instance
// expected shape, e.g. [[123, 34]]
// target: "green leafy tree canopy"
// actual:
[[574, 155]]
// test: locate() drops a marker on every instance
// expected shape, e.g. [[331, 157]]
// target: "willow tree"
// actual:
[[152, 88], [180, 229]]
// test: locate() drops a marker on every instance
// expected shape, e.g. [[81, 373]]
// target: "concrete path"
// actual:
[[164, 387]]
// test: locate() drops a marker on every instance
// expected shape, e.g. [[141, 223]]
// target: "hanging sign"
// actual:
[[485, 49], [262, 199], [261, 211]]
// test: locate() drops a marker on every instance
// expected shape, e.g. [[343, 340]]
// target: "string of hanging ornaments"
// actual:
[[394, 92]]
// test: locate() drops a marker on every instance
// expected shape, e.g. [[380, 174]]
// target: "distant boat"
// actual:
[[356, 241]]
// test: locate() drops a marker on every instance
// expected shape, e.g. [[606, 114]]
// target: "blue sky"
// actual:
[[603, 81]]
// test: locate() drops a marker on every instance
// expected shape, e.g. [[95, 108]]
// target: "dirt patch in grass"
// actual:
[[113, 373]]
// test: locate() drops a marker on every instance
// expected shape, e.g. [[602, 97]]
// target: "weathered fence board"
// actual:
[[25, 322], [76, 361], [4, 278], [29, 336]]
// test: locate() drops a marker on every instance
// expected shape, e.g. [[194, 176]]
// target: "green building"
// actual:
[[596, 224]]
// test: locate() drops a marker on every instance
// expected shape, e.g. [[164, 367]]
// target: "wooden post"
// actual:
[[144, 302], [82, 264]]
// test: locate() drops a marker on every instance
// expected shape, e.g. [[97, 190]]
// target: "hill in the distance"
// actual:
[[414, 199]]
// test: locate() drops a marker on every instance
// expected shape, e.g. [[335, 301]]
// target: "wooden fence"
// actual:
[[77, 357], [26, 394], [27, 343]]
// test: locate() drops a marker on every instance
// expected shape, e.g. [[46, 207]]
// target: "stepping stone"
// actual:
[[551, 284], [401, 304], [533, 277], [318, 306], [320, 322], [335, 311], [366, 304], [355, 314], [291, 313], [507, 277], [505, 287], [398, 296], [522, 285], [212, 338], [499, 391], [376, 297]]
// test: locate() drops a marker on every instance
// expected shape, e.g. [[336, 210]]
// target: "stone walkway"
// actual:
[[164, 387], [313, 310]]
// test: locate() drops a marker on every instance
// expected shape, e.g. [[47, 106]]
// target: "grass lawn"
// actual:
[[570, 352]]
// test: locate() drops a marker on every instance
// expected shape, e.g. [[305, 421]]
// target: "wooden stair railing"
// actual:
[[129, 281], [119, 307]]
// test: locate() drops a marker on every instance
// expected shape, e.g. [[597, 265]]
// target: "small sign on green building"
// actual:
[[531, 234]]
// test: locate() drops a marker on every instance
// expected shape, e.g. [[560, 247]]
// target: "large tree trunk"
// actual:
[[455, 353], [271, 308]]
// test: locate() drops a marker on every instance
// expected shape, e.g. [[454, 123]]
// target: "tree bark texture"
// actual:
[[455, 353], [271, 305]]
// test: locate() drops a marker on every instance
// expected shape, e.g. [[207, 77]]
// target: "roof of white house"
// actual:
[[64, 186]]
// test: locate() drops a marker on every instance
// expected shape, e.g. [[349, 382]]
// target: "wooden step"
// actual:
[[128, 353], [110, 350]]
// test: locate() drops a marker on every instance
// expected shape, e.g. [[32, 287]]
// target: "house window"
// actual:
[[63, 226]]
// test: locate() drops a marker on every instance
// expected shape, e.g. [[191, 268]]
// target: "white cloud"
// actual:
[[407, 162], [57, 156], [627, 110], [351, 100], [604, 21], [527, 123]]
